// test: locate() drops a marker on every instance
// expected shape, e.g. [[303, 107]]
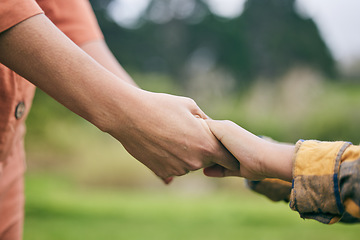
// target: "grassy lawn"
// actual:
[[56, 209]]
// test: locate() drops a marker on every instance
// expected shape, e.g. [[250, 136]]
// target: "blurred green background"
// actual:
[[269, 71]]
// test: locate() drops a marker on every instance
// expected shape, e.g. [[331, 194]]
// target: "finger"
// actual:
[[167, 180], [214, 171], [224, 157], [200, 114], [221, 129], [219, 171], [232, 136], [197, 112]]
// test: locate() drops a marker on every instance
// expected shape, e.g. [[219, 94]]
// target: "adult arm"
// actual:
[[159, 130], [325, 176], [77, 21]]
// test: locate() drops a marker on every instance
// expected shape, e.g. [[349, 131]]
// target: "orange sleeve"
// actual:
[[75, 18], [13, 12]]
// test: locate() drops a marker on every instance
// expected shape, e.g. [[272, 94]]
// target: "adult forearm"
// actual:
[[159, 130], [41, 53]]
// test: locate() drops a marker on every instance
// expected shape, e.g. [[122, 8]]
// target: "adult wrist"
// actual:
[[114, 106]]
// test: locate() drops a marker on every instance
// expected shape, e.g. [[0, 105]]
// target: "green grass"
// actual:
[[56, 209]]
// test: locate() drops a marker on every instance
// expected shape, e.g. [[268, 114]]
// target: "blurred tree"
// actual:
[[277, 39], [267, 40]]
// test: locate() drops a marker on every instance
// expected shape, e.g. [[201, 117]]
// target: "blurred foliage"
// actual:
[[57, 141], [173, 37]]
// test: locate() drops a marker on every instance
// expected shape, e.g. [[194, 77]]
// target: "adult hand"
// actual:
[[258, 158], [168, 134], [159, 130]]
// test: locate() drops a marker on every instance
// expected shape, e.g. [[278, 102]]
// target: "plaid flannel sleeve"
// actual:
[[326, 182]]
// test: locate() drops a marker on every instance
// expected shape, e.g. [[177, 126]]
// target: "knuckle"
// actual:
[[161, 173], [190, 101], [180, 172]]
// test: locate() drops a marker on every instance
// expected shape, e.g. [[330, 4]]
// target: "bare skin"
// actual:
[[162, 131], [258, 158]]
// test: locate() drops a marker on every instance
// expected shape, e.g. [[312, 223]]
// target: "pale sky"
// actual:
[[338, 20]]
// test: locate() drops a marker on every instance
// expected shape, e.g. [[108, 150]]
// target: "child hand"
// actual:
[[258, 158]]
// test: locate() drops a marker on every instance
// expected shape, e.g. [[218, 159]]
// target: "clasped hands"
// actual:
[[171, 135]]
